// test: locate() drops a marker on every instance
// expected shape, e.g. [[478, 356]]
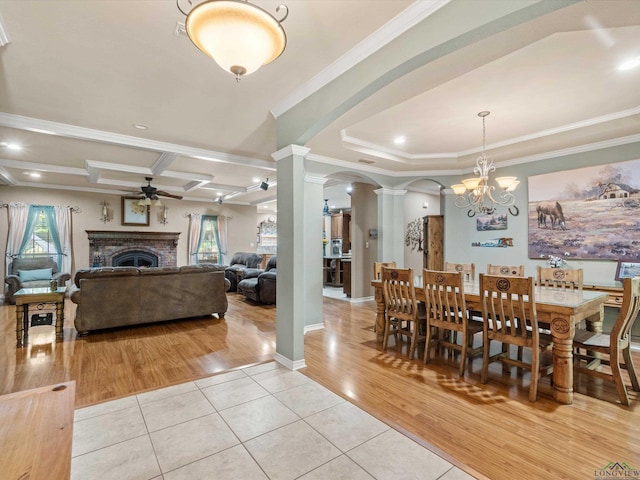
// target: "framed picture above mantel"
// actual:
[[133, 213]]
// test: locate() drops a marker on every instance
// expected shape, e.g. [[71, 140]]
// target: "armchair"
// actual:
[[32, 272], [240, 262], [258, 285]]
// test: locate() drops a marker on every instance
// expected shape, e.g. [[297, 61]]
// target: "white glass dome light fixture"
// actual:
[[477, 195], [239, 36]]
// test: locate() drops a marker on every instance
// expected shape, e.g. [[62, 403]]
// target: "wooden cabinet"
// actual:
[[615, 294], [346, 276], [340, 228], [332, 272], [433, 242]]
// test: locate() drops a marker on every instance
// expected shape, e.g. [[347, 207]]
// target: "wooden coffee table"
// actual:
[[27, 297]]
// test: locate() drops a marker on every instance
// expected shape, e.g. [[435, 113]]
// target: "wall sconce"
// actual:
[[162, 215], [425, 205], [105, 212]]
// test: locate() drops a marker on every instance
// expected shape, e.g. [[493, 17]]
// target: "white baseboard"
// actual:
[[290, 364], [311, 328], [362, 299]]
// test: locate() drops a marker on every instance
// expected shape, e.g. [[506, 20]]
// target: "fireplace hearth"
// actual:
[[139, 249]]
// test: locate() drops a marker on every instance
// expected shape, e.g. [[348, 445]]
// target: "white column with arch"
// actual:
[[292, 245], [391, 225]]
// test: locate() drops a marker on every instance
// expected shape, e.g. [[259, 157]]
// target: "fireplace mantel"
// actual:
[[105, 244]]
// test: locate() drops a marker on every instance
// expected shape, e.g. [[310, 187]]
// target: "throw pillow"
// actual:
[[37, 274]]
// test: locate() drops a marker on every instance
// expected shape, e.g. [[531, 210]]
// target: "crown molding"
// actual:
[[358, 145], [409, 17], [82, 133], [289, 151]]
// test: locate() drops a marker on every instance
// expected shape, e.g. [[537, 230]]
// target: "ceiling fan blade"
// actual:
[[167, 194]]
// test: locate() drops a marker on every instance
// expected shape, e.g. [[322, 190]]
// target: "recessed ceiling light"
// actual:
[[629, 64], [34, 174], [140, 126], [255, 179], [12, 146], [400, 140]]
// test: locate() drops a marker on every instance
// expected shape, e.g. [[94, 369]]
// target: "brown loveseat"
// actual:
[[119, 296]]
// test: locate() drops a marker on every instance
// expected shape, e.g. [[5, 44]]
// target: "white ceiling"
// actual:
[[87, 71]]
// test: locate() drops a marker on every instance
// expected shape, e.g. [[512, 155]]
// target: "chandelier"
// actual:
[[239, 36], [477, 195]]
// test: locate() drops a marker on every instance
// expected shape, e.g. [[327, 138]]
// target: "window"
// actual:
[[208, 251], [41, 236]]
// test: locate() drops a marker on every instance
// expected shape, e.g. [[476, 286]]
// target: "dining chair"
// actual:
[[402, 315], [505, 270], [590, 346], [377, 268], [468, 270], [559, 278], [509, 316], [447, 315]]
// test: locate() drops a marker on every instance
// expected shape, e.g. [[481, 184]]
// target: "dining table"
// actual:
[[561, 309]]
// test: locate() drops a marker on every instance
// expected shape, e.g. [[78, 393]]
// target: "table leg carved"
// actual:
[[379, 326], [563, 331]]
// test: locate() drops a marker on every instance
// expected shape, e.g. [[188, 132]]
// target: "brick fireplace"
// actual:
[[134, 247]]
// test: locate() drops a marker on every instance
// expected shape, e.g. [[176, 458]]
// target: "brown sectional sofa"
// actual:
[[119, 296]]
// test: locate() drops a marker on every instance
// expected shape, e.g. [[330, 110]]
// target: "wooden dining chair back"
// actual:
[[589, 346], [377, 268], [402, 315], [509, 316], [468, 270], [505, 270], [447, 314], [560, 278]]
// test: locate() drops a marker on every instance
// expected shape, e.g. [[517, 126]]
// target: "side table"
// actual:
[[36, 296]]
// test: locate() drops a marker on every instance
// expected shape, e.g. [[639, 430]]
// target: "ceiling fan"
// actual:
[[152, 193]]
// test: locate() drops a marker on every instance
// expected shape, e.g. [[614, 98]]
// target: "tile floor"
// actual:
[[261, 422]]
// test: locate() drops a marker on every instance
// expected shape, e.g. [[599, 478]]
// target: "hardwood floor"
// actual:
[[490, 430]]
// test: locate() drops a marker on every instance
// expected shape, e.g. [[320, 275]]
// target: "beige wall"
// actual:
[[242, 219]]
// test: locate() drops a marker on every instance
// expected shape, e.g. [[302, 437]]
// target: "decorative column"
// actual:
[[290, 290]]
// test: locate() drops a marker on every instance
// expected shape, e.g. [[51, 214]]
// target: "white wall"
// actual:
[[241, 224]]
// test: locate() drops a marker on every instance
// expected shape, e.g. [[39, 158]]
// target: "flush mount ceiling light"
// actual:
[[238, 35], [476, 194]]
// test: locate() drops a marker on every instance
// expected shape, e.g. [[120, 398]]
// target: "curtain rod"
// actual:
[[188, 214]]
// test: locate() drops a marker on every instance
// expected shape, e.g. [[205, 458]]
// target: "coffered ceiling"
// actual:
[[76, 77]]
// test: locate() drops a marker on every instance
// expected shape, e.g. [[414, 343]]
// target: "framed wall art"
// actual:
[[491, 222], [133, 213], [586, 213], [627, 269]]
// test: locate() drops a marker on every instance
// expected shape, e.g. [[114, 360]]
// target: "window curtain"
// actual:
[[50, 214], [221, 238], [214, 221], [32, 218], [195, 225], [63, 225], [18, 214]]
